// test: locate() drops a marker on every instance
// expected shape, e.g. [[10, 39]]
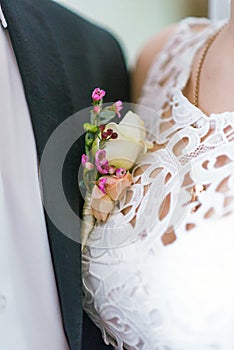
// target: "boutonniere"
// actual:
[[111, 151]]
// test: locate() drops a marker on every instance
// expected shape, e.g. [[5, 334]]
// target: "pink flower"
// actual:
[[85, 162], [101, 162], [103, 167], [96, 109], [98, 94], [118, 107], [84, 159], [101, 184], [100, 155], [120, 172]]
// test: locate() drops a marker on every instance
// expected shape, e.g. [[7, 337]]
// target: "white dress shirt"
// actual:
[[30, 316]]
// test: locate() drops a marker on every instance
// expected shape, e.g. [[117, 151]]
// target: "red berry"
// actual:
[[102, 127], [114, 135], [109, 132], [104, 135]]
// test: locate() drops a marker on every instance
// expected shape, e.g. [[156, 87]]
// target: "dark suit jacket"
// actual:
[[62, 58]]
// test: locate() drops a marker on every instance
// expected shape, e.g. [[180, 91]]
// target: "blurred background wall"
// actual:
[[219, 8], [134, 22]]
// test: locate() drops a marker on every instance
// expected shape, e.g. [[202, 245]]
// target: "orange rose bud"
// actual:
[[115, 186], [101, 204]]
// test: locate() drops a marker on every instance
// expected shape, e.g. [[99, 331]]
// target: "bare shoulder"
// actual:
[[149, 53], [146, 58]]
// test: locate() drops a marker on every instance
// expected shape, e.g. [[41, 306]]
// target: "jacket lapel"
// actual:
[[49, 101]]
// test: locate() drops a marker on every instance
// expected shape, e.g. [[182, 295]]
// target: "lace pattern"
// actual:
[[185, 184]]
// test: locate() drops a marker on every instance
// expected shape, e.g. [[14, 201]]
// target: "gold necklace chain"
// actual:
[[200, 65]]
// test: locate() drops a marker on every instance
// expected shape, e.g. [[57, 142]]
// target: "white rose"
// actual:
[[130, 144]]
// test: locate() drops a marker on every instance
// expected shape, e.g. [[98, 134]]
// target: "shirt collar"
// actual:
[[2, 18]]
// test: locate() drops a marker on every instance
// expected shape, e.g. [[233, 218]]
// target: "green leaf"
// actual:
[[89, 139], [106, 116], [90, 127], [89, 142]]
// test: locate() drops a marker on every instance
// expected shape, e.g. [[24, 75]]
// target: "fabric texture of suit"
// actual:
[[62, 58]]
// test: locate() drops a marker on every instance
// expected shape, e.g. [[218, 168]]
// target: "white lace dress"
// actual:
[[160, 275]]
